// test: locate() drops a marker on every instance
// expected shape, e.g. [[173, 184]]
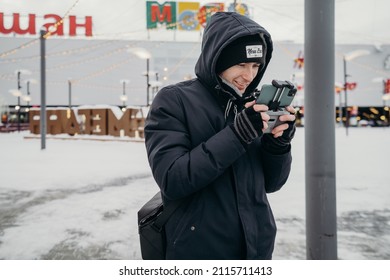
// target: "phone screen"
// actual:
[[276, 97]]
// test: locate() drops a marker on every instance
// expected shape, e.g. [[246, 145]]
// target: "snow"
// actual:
[[79, 199]]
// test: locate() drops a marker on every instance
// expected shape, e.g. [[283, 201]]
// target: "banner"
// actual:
[[387, 86], [185, 16], [188, 16], [73, 26]]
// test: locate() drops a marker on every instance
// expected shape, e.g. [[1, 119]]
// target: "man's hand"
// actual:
[[288, 121], [251, 122], [262, 109], [278, 141]]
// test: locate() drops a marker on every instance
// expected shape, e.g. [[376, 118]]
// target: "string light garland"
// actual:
[[34, 41], [175, 67], [15, 50], [60, 22], [60, 53], [105, 70], [89, 60], [365, 66]]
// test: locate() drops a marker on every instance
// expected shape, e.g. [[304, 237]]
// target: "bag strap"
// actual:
[[167, 212]]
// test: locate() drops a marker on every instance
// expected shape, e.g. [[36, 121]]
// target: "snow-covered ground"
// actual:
[[78, 199]]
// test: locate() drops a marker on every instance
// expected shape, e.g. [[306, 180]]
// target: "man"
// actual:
[[205, 144]]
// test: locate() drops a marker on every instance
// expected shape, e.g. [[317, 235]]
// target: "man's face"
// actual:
[[241, 75]]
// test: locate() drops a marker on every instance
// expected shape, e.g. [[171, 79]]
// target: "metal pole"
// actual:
[[70, 94], [156, 85], [147, 82], [340, 110], [321, 225], [18, 113], [385, 107], [28, 101], [124, 94], [386, 90], [43, 90], [346, 96]]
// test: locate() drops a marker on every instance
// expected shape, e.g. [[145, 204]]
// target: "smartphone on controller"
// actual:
[[276, 96]]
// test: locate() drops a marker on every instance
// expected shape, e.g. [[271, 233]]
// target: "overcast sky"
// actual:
[[356, 21]]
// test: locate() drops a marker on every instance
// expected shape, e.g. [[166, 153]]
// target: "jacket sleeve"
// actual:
[[179, 168], [276, 169]]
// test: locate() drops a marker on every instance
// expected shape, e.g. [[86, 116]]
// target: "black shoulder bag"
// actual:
[[151, 220]]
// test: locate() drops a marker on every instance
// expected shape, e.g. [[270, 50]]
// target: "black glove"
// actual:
[[248, 125], [281, 144]]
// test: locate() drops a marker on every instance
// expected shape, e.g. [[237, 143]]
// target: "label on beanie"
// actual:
[[254, 51]]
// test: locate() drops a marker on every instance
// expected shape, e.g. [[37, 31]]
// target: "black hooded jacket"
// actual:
[[194, 154]]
